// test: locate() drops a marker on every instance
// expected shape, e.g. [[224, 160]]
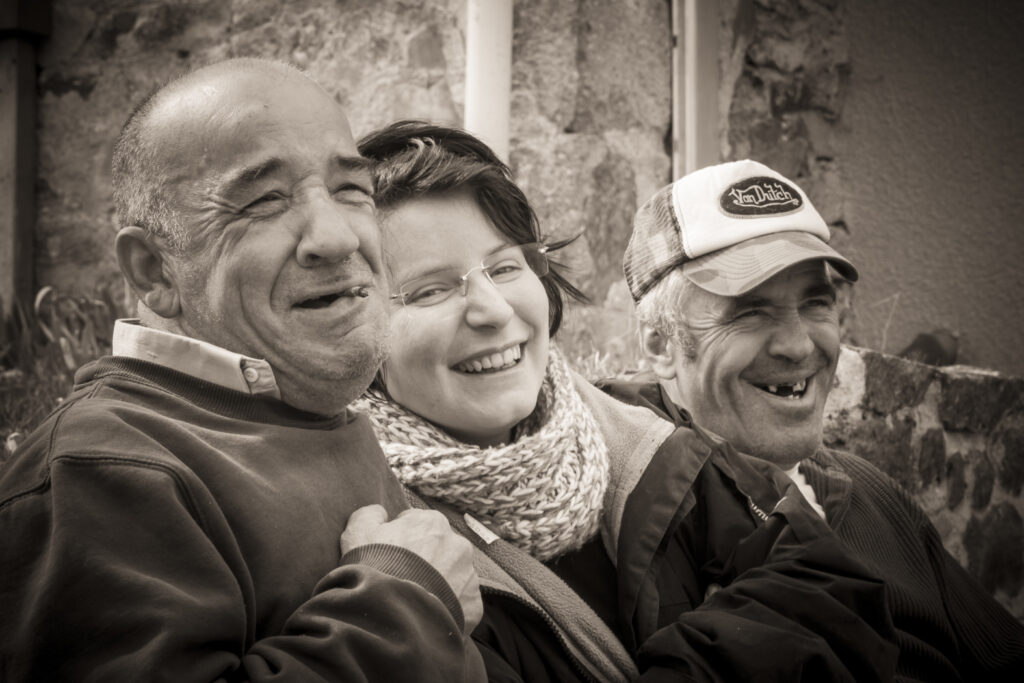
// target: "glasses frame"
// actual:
[[539, 248]]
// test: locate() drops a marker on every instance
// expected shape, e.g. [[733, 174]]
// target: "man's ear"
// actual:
[[144, 265], [659, 351]]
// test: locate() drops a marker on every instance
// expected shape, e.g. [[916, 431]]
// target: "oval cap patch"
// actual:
[[760, 196]]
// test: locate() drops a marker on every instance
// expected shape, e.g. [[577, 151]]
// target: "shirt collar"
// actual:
[[194, 357]]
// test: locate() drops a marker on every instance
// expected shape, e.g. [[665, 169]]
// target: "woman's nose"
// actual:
[[485, 304]]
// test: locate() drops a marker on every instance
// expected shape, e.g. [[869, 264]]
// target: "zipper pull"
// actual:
[[478, 528]]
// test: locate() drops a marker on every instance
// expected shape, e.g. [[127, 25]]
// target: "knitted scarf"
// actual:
[[542, 492]]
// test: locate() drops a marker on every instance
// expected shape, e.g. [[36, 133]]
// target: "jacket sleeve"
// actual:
[[991, 640], [118, 572], [793, 607]]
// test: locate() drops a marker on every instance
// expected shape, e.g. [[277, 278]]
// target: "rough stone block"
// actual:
[[955, 475], [931, 459], [1008, 447], [893, 383], [975, 400], [984, 481], [995, 549], [608, 215]]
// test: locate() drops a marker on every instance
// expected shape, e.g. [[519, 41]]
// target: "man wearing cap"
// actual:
[[735, 287]]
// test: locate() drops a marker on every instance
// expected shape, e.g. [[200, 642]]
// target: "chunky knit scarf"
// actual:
[[543, 492]]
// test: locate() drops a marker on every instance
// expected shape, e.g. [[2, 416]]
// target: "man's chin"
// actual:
[[785, 450], [330, 382]]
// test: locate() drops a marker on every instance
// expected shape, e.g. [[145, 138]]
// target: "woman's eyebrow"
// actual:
[[501, 247], [454, 269]]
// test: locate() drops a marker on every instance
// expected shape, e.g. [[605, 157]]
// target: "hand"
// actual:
[[428, 534]]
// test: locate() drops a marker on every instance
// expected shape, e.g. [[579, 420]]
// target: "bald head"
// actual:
[[146, 155]]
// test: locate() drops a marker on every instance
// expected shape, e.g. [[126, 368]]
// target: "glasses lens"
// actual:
[[431, 289]]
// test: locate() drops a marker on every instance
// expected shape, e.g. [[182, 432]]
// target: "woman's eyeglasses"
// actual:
[[501, 267]]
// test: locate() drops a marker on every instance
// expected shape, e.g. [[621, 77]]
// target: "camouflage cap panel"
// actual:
[[654, 247]]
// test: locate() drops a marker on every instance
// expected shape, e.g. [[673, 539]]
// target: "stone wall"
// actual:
[[383, 60], [953, 437]]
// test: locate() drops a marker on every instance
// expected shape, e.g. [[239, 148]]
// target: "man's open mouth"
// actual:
[[326, 300], [791, 391], [492, 362]]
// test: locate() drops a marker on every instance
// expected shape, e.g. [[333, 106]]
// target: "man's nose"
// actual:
[[327, 236], [790, 339], [486, 306]]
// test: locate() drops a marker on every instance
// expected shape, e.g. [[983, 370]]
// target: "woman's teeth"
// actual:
[[786, 390], [493, 362]]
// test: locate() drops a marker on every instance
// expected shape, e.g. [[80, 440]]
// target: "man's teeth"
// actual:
[[492, 362], [787, 390]]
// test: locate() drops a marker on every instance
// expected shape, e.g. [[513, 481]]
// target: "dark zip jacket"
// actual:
[[715, 578], [947, 627]]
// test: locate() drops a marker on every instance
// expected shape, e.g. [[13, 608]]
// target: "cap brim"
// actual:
[[742, 267]]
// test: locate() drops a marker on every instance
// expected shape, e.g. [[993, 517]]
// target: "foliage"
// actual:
[[41, 348]]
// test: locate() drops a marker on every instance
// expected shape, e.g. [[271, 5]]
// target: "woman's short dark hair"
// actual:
[[415, 159]]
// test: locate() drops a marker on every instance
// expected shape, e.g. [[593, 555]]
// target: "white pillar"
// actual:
[[694, 85], [489, 72]]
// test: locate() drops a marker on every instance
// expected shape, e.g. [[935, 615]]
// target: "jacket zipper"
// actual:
[[580, 669], [756, 510]]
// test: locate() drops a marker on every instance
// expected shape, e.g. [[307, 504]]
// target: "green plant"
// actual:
[[42, 347]]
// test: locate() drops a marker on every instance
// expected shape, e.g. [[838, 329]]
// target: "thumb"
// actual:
[[361, 525], [367, 517]]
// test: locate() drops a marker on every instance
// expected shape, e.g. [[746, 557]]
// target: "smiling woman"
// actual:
[[466, 354], [592, 549]]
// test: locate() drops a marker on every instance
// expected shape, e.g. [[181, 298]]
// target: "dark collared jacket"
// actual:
[[947, 627]]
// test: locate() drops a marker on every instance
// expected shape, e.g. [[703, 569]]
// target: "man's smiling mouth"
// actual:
[[358, 291], [791, 391], [492, 362]]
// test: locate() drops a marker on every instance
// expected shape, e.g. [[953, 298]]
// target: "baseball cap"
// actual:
[[731, 227]]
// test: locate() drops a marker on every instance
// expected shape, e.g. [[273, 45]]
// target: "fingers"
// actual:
[[371, 515], [362, 525], [428, 534]]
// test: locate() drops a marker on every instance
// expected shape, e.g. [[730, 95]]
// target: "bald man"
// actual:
[[202, 506]]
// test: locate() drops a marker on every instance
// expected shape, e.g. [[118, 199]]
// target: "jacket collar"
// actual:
[[832, 485], [633, 435]]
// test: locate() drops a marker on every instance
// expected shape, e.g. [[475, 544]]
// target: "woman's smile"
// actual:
[[490, 362]]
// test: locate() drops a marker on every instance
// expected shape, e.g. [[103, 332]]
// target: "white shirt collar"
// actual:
[[805, 488], [194, 357]]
